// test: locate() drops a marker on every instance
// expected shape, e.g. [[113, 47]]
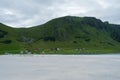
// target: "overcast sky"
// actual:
[[22, 13]]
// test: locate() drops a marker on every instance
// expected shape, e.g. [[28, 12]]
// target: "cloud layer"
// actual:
[[25, 13]]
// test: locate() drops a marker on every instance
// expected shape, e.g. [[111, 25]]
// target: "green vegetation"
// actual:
[[65, 35]]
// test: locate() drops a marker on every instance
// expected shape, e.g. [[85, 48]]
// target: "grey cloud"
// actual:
[[35, 12]]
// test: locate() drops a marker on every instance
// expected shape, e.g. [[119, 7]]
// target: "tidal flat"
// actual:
[[60, 67]]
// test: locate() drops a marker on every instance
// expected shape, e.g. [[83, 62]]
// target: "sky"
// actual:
[[27, 13]]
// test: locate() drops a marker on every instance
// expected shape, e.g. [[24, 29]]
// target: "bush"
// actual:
[[49, 39], [2, 33], [6, 41]]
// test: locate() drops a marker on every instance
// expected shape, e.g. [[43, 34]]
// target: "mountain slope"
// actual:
[[65, 32], [68, 28], [8, 40]]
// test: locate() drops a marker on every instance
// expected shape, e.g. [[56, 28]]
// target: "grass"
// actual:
[[63, 51], [66, 47]]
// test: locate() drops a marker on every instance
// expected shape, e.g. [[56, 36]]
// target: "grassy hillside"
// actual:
[[68, 34], [8, 39]]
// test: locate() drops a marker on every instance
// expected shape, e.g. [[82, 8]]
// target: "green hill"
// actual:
[[70, 34]]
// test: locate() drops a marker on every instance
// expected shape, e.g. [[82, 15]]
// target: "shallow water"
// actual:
[[60, 67]]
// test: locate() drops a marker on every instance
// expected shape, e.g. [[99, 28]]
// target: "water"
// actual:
[[60, 67]]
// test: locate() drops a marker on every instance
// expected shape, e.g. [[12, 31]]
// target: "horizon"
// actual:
[[52, 19], [29, 13]]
